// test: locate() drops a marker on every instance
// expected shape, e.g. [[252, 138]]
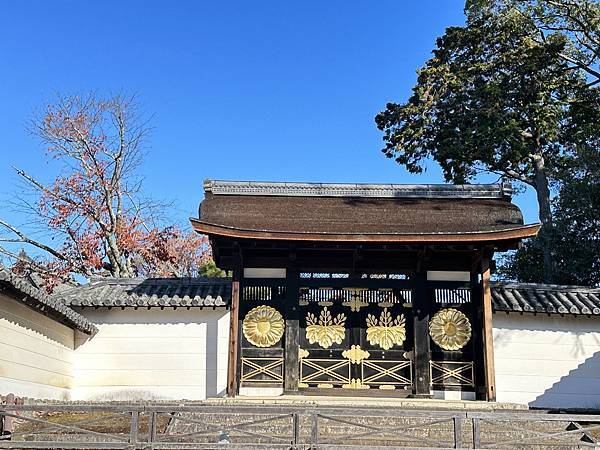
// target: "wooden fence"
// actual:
[[78, 426]]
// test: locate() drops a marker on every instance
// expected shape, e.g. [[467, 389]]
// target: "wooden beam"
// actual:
[[234, 331], [292, 332], [488, 338], [477, 329], [422, 354]]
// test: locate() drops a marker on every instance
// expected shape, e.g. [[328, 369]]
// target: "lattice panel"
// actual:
[[262, 370], [452, 373], [314, 295], [263, 293], [453, 296], [386, 374], [324, 373]]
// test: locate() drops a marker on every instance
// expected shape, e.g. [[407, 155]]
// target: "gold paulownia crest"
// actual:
[[450, 329], [355, 354], [326, 330], [386, 331], [263, 326], [355, 304]]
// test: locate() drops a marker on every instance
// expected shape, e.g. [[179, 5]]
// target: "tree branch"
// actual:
[[26, 240]]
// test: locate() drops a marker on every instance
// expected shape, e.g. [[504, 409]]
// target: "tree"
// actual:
[[96, 214], [494, 98], [576, 235], [577, 20]]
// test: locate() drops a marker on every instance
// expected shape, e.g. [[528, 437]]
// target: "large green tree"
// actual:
[[575, 239], [577, 20], [495, 98]]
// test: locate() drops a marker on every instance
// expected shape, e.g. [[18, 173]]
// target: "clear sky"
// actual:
[[261, 90]]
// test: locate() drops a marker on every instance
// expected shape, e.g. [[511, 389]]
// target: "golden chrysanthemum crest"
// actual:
[[263, 326], [450, 329]]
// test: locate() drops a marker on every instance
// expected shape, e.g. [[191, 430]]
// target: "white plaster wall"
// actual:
[[547, 361], [36, 353], [153, 354]]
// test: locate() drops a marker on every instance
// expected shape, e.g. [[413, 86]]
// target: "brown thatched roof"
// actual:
[[360, 212]]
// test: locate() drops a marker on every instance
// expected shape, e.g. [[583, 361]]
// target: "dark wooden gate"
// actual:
[[452, 328], [261, 334], [355, 337]]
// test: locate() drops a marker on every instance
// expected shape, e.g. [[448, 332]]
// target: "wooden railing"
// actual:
[[80, 426]]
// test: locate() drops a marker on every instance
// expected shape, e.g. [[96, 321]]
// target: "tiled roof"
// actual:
[[51, 306], [545, 298], [216, 292], [151, 292]]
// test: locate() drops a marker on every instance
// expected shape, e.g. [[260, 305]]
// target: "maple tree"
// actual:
[[95, 210]]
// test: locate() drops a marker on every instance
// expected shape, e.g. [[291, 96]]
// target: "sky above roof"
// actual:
[[248, 90]]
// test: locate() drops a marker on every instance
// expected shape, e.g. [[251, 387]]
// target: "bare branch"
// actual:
[[26, 240]]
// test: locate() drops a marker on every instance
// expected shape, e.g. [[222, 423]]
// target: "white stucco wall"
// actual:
[[153, 354], [547, 361], [36, 353]]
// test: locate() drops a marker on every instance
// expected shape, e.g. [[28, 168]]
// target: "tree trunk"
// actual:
[[542, 190]]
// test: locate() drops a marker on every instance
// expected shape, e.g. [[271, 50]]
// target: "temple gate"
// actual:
[[379, 290]]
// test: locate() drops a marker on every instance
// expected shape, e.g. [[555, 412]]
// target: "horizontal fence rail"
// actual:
[[210, 426]]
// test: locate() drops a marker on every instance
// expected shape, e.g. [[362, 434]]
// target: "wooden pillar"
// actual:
[[234, 332], [477, 330], [488, 338], [292, 332], [422, 354]]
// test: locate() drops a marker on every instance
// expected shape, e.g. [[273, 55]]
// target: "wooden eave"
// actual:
[[505, 234]]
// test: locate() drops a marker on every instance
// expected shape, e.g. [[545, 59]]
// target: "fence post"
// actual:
[[314, 430], [476, 433], [6, 422], [152, 427], [457, 432], [296, 430], [133, 434]]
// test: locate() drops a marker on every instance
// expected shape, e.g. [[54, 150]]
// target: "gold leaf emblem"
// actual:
[[326, 330], [450, 329], [263, 326], [355, 354], [302, 353], [355, 383], [356, 303], [386, 332]]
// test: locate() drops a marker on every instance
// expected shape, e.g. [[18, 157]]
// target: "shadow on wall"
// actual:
[[548, 361], [579, 389], [19, 317]]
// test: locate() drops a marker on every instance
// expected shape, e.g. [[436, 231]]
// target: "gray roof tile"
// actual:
[[49, 305], [216, 292], [545, 298], [151, 292]]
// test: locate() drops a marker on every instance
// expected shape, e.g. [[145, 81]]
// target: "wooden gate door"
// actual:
[[452, 343], [356, 338]]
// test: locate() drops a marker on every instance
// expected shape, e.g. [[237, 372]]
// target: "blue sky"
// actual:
[[265, 90]]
